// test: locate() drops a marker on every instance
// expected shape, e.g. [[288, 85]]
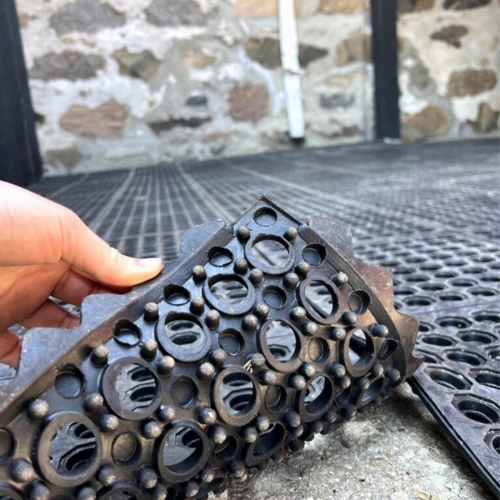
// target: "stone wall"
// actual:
[[449, 58], [126, 83]]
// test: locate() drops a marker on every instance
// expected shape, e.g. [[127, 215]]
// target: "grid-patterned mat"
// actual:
[[430, 213]]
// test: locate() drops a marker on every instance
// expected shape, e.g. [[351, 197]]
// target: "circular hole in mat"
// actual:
[[274, 297], [182, 450], [69, 382], [7, 445], [469, 358], [126, 333], [321, 299], [176, 295], [271, 252], [281, 339], [448, 379], [265, 217], [225, 451], [314, 254], [238, 393], [359, 301], [231, 341], [269, 440], [437, 340], [185, 333], [275, 398], [318, 394], [229, 290], [184, 392], [361, 349], [220, 257], [478, 411], [126, 449]]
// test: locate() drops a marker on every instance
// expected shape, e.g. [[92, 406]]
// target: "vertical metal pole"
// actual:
[[289, 47], [385, 62], [20, 161]]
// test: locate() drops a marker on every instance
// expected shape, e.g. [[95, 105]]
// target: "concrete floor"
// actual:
[[396, 451]]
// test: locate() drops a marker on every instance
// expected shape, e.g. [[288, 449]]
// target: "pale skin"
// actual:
[[47, 251]]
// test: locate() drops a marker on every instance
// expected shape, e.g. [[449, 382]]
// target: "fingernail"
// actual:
[[151, 263]]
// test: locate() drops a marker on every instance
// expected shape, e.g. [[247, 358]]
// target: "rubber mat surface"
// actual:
[[430, 213]]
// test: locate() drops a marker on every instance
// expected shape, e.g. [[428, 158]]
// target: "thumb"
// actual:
[[91, 256], [38, 231]]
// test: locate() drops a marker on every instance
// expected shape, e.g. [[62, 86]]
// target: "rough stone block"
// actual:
[[69, 64], [166, 125], [471, 82], [406, 6], [198, 60], [249, 103], [430, 122], [142, 65], [341, 6], [69, 157], [309, 54], [107, 120], [334, 128], [344, 79], [465, 4], [335, 101], [260, 8], [451, 35], [356, 48], [266, 51], [487, 119], [175, 13], [87, 16]]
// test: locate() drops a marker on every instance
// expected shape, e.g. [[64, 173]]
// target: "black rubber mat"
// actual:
[[429, 212], [263, 334]]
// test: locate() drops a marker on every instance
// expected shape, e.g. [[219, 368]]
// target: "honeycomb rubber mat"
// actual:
[[460, 383], [428, 212], [259, 336]]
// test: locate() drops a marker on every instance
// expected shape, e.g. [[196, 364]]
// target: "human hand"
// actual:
[[47, 251]]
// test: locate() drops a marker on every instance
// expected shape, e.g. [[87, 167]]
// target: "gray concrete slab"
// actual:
[[395, 451]]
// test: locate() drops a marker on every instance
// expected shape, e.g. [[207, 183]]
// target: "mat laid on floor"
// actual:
[[429, 212]]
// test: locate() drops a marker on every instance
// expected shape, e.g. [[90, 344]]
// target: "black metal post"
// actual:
[[385, 62], [20, 161]]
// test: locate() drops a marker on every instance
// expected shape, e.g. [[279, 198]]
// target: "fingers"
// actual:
[[73, 288], [38, 231], [9, 348], [23, 289], [51, 315]]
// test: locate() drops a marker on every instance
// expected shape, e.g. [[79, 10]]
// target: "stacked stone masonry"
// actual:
[[128, 83], [448, 68]]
